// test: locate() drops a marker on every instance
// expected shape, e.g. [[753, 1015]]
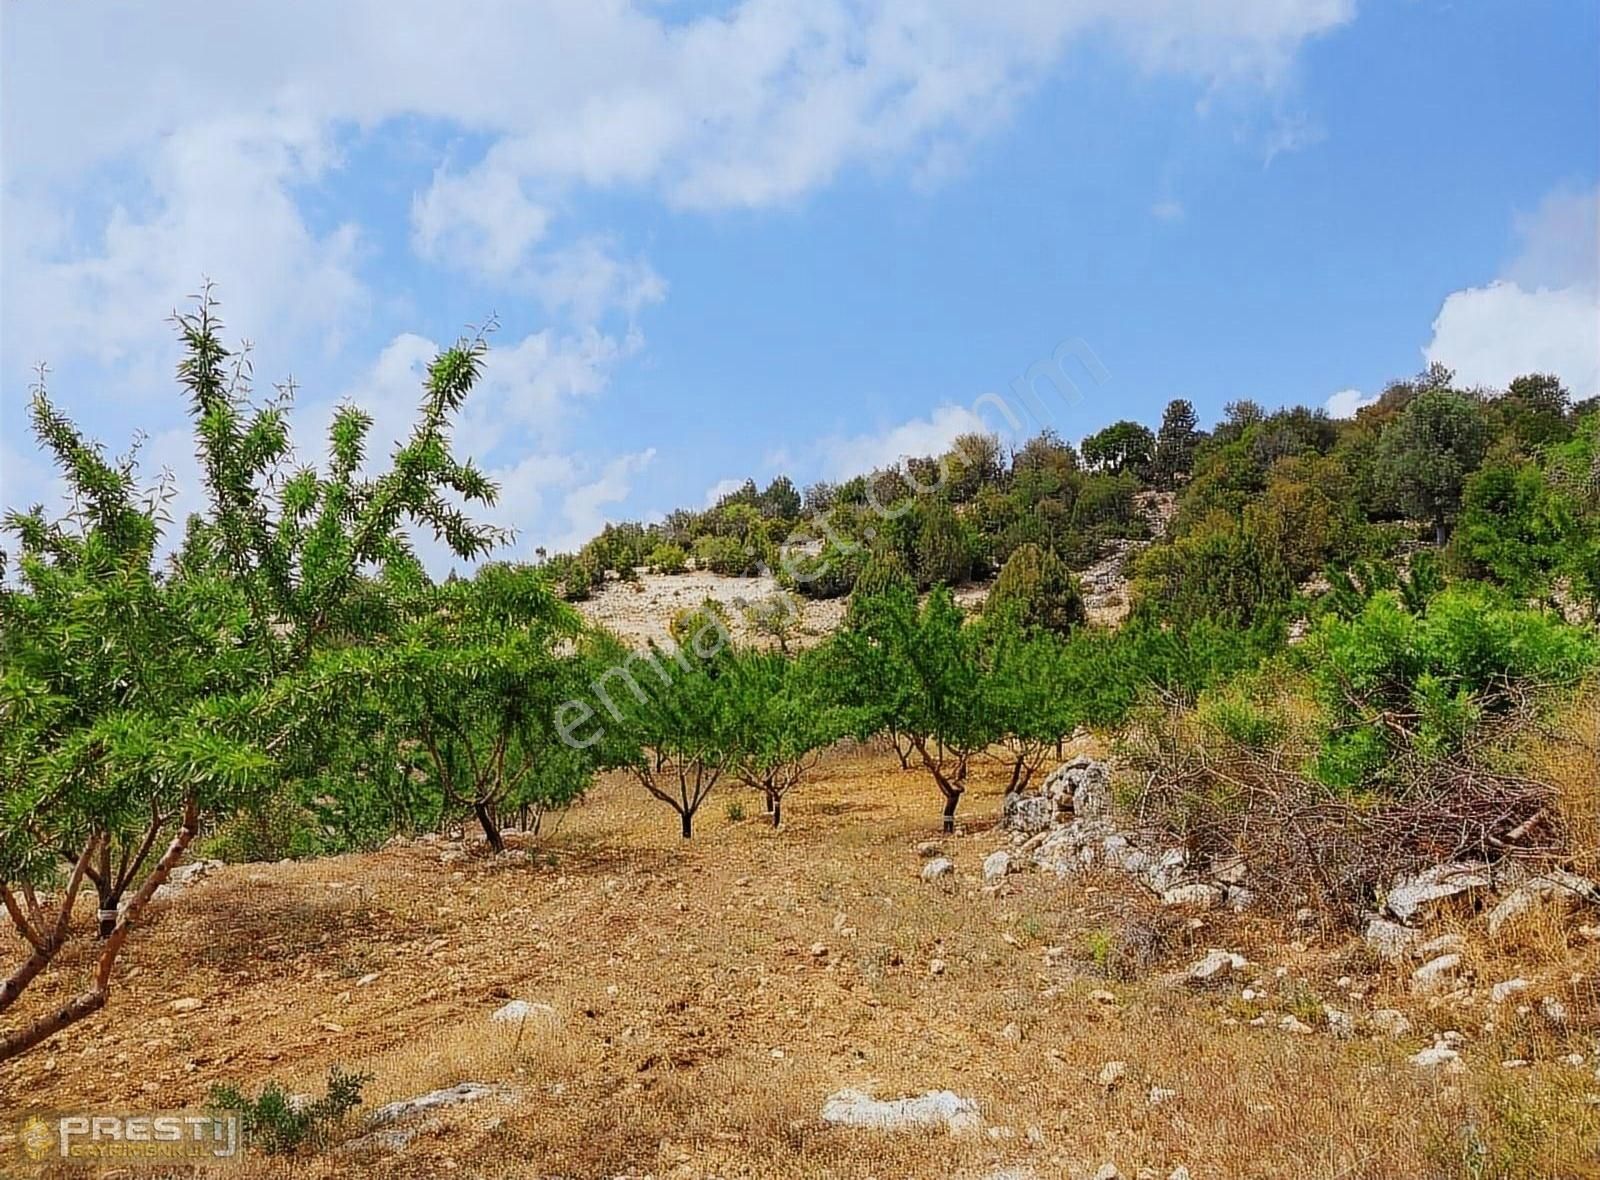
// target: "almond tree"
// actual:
[[919, 670], [471, 680], [676, 735], [782, 720], [136, 705]]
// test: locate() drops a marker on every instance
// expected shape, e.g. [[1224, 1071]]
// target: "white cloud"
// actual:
[[481, 221], [1346, 402], [721, 488], [1168, 210], [754, 105], [1489, 335], [1543, 317], [845, 457], [140, 157], [219, 201], [584, 507]]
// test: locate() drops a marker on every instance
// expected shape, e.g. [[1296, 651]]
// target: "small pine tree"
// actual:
[[1037, 589]]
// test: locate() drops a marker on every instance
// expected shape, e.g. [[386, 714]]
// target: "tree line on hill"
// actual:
[[289, 681]]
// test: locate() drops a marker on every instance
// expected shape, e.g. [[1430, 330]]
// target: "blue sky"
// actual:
[[729, 240]]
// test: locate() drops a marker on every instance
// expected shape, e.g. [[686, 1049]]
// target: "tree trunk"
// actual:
[[776, 807], [87, 1003], [688, 823], [1440, 533], [951, 798], [491, 830], [1016, 776], [110, 901]]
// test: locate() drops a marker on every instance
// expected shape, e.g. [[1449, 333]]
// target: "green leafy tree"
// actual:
[[1121, 447], [160, 702], [1031, 693], [783, 716], [1429, 451], [471, 680], [678, 720], [1175, 444], [945, 547], [1516, 529], [1035, 588], [1218, 572], [919, 670]]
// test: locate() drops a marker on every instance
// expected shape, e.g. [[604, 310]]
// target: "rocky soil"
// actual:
[[610, 1001]]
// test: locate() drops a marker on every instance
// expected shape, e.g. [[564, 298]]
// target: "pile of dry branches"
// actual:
[[1305, 843]]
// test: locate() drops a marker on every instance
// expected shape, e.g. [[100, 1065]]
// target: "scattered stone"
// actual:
[[1340, 1023], [938, 868], [1179, 1173], [1554, 1011], [1111, 1073], [1551, 885], [184, 876], [1438, 1057], [1101, 996], [1199, 896], [936, 967], [407, 1108], [937, 1109], [1445, 944], [1390, 940], [187, 1004], [1391, 1022], [1410, 896], [929, 849], [519, 1011], [819, 950], [1108, 1172], [1216, 967], [368, 979], [1294, 1024], [1028, 814], [1501, 992], [1158, 1094], [1435, 976], [996, 865]]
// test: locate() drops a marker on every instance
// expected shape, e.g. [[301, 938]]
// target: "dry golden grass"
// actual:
[[699, 1032]]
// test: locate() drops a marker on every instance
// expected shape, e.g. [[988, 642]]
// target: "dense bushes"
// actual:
[[1035, 588], [1391, 681]]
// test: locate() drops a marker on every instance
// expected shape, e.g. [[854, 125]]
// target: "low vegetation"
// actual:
[[1335, 654]]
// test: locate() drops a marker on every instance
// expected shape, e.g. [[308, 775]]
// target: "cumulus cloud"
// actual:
[[1542, 315], [1346, 402], [723, 487], [144, 152], [858, 454]]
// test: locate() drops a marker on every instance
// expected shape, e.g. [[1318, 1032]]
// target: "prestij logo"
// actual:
[[129, 1139], [37, 1139]]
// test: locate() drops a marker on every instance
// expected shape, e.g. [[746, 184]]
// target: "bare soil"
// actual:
[[710, 994]]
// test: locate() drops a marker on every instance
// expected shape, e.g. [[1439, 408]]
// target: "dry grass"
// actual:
[[699, 1033]]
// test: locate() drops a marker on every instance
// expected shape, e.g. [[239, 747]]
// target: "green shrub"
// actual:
[[1036, 589], [1216, 572], [946, 548], [668, 558], [1391, 681], [726, 556], [1233, 713], [829, 574], [275, 1124]]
